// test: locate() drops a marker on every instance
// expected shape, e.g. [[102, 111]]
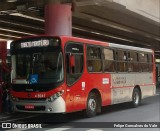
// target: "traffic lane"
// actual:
[[15, 116], [148, 111]]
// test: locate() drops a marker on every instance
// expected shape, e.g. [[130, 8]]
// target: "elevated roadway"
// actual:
[[129, 22]]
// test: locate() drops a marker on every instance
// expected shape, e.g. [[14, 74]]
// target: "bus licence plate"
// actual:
[[29, 107]]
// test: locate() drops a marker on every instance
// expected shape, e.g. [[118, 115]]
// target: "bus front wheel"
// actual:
[[91, 108], [136, 97]]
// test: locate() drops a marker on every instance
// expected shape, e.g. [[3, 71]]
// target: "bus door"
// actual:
[[74, 72]]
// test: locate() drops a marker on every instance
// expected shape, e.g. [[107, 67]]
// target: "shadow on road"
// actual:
[[70, 117]]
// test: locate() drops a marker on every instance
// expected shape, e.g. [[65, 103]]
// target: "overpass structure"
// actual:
[[128, 22]]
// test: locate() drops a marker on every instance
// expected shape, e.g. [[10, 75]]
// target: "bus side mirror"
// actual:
[[72, 63]]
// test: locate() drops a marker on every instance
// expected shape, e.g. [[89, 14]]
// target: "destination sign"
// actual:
[[38, 43], [35, 44]]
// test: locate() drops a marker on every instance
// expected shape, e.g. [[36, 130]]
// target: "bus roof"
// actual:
[[101, 43], [129, 47], [113, 44]]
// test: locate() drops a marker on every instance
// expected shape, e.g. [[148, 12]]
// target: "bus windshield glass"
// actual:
[[32, 64]]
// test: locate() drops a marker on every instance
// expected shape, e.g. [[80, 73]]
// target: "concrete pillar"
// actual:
[[1, 92], [3, 51], [58, 19], [3, 56]]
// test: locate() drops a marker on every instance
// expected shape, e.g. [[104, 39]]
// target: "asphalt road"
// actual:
[[148, 113]]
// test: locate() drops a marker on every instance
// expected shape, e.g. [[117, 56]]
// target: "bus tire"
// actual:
[[92, 105], [136, 97]]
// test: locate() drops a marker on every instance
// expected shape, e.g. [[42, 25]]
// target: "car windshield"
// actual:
[[37, 68]]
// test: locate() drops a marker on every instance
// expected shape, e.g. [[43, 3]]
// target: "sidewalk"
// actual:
[[4, 116]]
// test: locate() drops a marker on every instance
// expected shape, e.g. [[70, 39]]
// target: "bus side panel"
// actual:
[[102, 83], [75, 95], [145, 80], [123, 85], [106, 96]]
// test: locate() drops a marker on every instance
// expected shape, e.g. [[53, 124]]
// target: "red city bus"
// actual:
[[67, 74]]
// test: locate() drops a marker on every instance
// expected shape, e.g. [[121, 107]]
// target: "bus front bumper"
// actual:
[[57, 106]]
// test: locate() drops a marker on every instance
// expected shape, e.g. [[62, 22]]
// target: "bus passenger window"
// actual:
[[133, 61], [143, 62], [94, 61], [121, 61], [109, 60], [90, 66], [150, 62]]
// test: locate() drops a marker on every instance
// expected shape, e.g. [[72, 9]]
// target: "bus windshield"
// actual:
[[43, 65]]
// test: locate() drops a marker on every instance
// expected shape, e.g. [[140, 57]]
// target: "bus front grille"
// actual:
[[32, 99]]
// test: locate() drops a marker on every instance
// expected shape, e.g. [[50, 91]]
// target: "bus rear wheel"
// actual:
[[136, 97], [91, 109]]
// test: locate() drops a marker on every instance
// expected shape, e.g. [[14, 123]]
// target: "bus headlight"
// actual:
[[55, 96]]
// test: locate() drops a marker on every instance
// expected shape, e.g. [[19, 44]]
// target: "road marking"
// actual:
[[58, 129], [17, 129], [4, 117], [94, 130], [19, 118]]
